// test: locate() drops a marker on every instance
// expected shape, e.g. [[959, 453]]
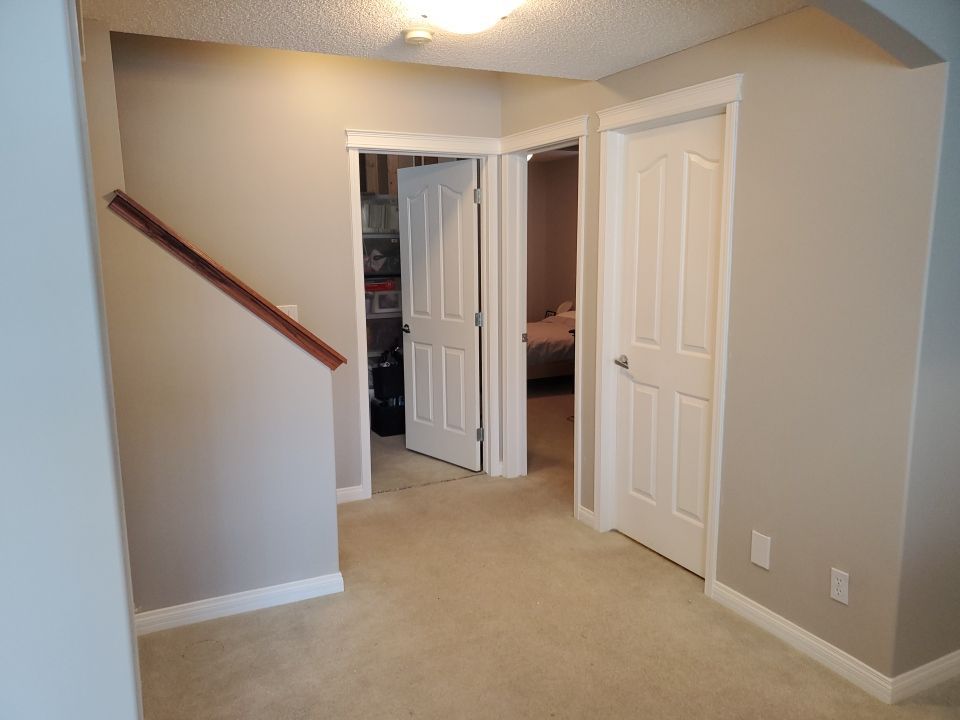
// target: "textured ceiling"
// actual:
[[586, 40]]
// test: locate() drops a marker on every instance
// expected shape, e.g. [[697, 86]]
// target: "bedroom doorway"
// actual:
[[543, 232], [418, 213], [551, 311]]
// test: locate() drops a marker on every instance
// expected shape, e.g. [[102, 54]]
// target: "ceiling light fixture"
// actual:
[[464, 17]]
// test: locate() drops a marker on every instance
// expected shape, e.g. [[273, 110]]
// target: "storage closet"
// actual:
[[393, 467], [383, 285]]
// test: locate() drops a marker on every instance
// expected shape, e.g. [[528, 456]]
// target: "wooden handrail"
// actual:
[[147, 223]]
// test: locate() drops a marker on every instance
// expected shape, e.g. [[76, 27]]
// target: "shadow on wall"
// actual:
[[551, 231]]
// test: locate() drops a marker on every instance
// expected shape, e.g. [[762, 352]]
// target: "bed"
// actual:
[[550, 346]]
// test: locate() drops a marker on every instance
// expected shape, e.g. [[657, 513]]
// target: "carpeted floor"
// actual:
[[393, 467], [484, 598]]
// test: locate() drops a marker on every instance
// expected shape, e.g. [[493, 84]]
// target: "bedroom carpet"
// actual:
[[484, 598]]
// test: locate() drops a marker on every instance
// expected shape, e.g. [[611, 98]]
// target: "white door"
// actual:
[[668, 265], [441, 342]]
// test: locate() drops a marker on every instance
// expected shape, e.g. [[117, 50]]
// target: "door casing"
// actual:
[[501, 179], [711, 98], [513, 287], [487, 151]]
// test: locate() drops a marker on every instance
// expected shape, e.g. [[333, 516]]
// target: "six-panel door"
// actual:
[[668, 245], [438, 255]]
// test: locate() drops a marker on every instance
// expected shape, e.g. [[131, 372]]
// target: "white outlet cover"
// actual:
[[760, 550], [840, 586]]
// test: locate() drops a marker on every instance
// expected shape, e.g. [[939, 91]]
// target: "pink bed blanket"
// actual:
[[550, 339]]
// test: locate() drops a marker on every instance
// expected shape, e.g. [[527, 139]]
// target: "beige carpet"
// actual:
[[393, 467], [484, 598]]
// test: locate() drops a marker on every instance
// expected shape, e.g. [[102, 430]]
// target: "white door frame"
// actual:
[[487, 150], [515, 149], [716, 97]]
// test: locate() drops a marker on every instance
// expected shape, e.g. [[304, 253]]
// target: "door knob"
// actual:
[[623, 362], [405, 328]]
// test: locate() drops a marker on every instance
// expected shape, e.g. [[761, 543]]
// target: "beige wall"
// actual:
[[226, 436], [68, 645], [838, 149], [929, 611], [225, 427], [551, 234], [242, 150]]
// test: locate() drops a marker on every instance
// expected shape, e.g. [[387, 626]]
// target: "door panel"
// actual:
[[699, 236], [438, 257], [416, 280], [452, 252], [453, 386], [641, 430], [692, 455], [668, 260], [649, 247], [419, 360]]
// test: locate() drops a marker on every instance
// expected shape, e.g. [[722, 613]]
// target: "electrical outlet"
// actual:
[[760, 550], [840, 586]]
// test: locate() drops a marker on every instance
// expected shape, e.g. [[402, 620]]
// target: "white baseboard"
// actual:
[[875, 683], [241, 602], [586, 517], [910, 683], [856, 671], [352, 493]]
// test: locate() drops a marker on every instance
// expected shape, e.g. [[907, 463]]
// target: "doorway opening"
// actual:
[[550, 218], [551, 310], [420, 233]]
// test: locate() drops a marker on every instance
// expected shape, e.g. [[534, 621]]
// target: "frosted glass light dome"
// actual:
[[465, 17]]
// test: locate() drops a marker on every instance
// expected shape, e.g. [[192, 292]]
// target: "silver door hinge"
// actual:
[[476, 196], [524, 338], [479, 434], [478, 319]]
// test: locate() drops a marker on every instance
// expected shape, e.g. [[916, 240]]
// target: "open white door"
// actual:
[[441, 342], [668, 263]]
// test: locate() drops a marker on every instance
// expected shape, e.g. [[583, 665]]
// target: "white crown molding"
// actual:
[[352, 493], [707, 95], [459, 145], [874, 682], [420, 143], [563, 130], [241, 602]]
